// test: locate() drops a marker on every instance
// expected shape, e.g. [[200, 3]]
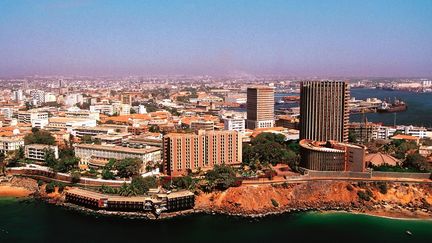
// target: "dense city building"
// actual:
[[260, 107], [287, 122], [361, 132], [185, 152], [324, 111], [202, 125]]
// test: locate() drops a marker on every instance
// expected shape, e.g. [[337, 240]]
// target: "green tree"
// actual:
[[184, 182], [417, 161], [16, 157], [66, 164], [124, 190], [50, 187], [50, 158], [269, 148], [221, 177], [128, 167], [107, 174], [111, 164], [86, 139], [108, 189], [39, 137], [142, 184], [75, 176], [35, 129], [352, 137]]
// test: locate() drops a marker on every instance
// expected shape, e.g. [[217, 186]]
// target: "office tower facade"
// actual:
[[185, 152], [260, 107], [324, 111]]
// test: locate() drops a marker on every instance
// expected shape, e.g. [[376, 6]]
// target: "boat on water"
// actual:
[[292, 98], [396, 106]]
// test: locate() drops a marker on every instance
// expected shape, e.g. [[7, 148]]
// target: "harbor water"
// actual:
[[36, 221]]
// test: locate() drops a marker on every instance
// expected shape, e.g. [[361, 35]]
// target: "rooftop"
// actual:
[[98, 196], [378, 159], [68, 119], [117, 148], [405, 137]]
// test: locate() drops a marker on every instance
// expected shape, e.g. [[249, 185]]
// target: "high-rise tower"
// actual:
[[260, 107], [324, 112]]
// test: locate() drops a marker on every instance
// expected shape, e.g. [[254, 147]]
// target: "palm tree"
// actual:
[[123, 191]]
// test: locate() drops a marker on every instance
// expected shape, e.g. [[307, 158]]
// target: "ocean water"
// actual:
[[419, 112], [35, 221]]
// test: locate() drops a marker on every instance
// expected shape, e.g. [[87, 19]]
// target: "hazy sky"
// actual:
[[323, 37]]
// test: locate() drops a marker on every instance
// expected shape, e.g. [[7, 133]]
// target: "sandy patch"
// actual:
[[10, 191]]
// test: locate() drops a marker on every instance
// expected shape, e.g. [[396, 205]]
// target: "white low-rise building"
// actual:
[[384, 132], [31, 115], [234, 124], [38, 151], [103, 109], [9, 144], [6, 112], [69, 123], [75, 112]]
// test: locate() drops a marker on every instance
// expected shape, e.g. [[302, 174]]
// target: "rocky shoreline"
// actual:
[[163, 216], [403, 201]]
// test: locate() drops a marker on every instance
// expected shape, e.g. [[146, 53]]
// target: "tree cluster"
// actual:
[[39, 137], [138, 186], [183, 182], [221, 177], [406, 151], [125, 168], [66, 162], [270, 148]]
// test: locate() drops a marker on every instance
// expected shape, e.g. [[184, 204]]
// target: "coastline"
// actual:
[[254, 202], [12, 191], [191, 212]]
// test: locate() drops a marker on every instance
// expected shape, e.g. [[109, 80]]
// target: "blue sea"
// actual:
[[36, 221]]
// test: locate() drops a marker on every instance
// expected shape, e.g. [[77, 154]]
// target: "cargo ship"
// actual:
[[293, 98], [396, 106]]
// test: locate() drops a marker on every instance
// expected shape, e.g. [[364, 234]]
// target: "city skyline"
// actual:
[[293, 38]]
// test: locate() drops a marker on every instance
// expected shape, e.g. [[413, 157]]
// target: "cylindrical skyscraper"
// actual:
[[324, 111]]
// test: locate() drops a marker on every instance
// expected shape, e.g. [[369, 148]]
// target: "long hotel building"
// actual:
[[99, 155], [260, 107], [185, 152], [324, 113]]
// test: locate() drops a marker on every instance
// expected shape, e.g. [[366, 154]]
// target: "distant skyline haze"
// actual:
[[220, 37]]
